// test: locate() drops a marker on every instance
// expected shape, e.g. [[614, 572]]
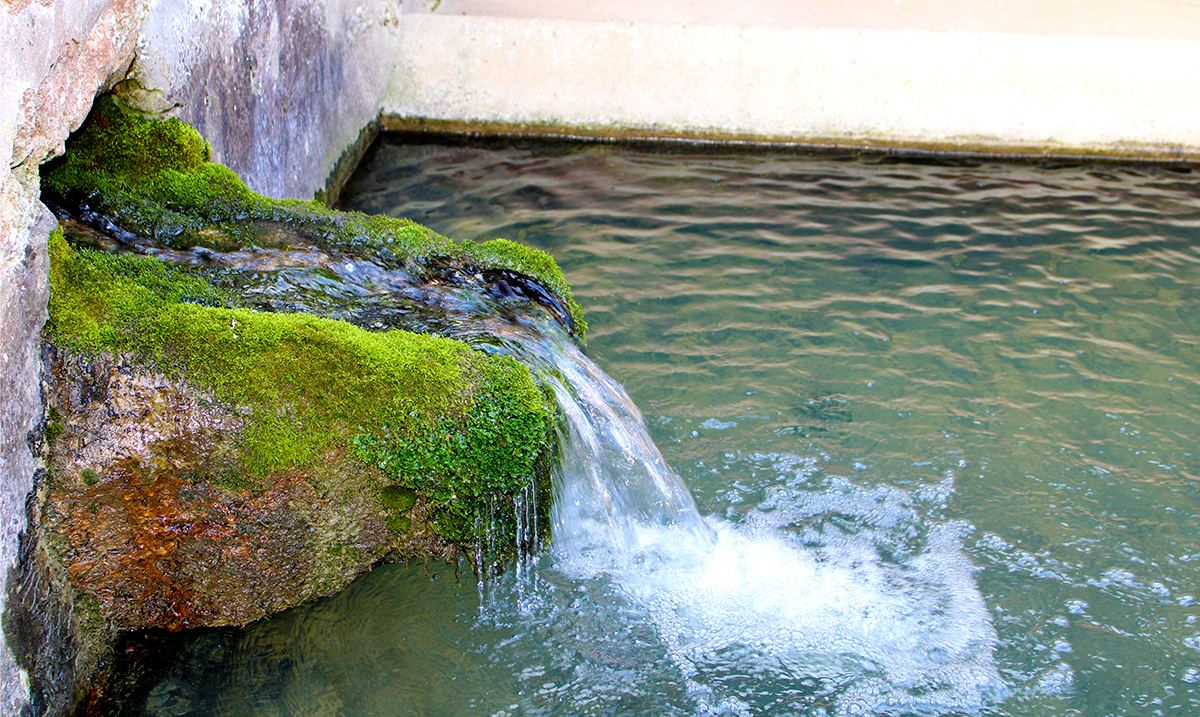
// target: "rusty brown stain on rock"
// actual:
[[147, 513], [175, 555]]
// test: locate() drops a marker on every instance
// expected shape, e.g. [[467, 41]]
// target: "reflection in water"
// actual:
[[941, 421]]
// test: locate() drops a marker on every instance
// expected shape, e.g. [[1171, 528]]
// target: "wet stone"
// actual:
[[149, 516]]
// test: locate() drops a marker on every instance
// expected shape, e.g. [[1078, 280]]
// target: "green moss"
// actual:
[[54, 425], [461, 427], [154, 177], [398, 498], [232, 480], [490, 455], [89, 477], [398, 523]]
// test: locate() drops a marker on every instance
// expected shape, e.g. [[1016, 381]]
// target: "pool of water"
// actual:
[[947, 415]]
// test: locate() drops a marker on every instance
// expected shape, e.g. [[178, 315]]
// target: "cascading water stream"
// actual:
[[907, 635], [615, 497]]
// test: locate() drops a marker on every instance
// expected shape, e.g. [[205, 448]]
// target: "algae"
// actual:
[[153, 179]]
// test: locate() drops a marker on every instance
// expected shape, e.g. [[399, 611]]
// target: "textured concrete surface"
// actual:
[[1148, 19], [1061, 77], [280, 88]]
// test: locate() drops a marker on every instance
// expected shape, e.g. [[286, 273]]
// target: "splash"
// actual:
[[828, 598]]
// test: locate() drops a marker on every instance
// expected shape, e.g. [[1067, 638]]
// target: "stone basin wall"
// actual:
[[282, 89]]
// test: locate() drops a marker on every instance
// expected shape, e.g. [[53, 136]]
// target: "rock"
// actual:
[[57, 56], [161, 380], [212, 464], [153, 517]]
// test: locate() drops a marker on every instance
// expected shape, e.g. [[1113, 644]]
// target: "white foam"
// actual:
[[915, 637], [883, 614]]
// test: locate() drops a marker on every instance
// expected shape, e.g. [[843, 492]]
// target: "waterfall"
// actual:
[[616, 499], [755, 598]]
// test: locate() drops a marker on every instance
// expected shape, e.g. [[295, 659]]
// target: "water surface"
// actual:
[[943, 416]]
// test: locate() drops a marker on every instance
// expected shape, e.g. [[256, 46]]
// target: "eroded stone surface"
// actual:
[[150, 518], [56, 57], [280, 89], [23, 290]]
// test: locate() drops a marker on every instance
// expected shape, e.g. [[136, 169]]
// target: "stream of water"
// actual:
[[938, 423]]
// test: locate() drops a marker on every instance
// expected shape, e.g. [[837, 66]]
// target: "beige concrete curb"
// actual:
[[1025, 94]]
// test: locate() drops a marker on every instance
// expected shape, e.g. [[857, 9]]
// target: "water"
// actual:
[[939, 420]]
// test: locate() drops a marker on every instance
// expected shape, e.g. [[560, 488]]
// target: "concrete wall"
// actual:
[[1110, 77]]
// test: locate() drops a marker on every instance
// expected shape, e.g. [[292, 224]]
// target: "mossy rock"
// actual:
[[454, 424], [153, 179], [214, 465], [210, 464]]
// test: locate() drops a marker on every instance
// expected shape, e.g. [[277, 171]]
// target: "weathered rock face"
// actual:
[[23, 288], [156, 524], [280, 88], [56, 57], [209, 465]]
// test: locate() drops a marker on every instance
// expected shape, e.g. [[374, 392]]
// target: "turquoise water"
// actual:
[[880, 365]]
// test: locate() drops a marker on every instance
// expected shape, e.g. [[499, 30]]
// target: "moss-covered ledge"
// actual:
[[435, 414], [210, 465]]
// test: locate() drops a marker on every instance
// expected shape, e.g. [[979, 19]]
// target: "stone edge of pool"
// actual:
[[964, 148], [904, 90]]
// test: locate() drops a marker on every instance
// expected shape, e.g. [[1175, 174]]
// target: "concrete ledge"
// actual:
[[920, 89]]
